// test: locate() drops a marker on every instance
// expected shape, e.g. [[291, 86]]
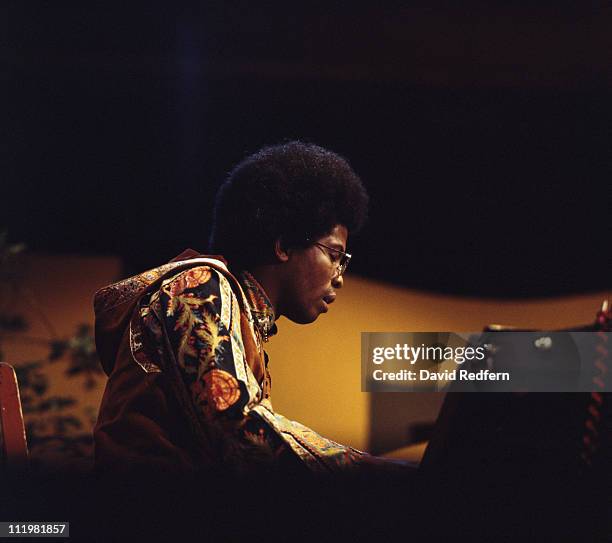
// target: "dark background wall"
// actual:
[[481, 129]]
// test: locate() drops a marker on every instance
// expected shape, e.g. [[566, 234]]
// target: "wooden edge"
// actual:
[[412, 453]]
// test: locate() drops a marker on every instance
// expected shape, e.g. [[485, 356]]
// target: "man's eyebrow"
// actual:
[[336, 245]]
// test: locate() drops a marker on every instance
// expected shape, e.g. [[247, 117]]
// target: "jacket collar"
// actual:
[[260, 305]]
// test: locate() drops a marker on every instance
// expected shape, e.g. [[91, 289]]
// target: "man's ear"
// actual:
[[280, 251]]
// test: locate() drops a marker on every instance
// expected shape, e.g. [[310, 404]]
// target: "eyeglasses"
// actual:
[[341, 261]]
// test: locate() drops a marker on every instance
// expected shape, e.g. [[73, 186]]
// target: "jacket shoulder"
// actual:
[[133, 287]]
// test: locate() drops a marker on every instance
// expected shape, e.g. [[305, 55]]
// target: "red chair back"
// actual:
[[13, 442]]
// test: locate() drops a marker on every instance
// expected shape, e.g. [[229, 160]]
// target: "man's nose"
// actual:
[[337, 281]]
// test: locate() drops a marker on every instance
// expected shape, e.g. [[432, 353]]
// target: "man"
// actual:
[[188, 381]]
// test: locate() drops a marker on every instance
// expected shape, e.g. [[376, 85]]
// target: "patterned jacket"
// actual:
[[188, 385]]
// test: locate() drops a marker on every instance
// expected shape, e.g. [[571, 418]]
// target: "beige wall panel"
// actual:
[[316, 368]]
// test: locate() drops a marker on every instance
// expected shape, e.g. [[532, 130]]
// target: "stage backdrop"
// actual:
[[47, 320]]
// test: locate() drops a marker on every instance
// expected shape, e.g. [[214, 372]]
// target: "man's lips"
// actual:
[[326, 300], [329, 299]]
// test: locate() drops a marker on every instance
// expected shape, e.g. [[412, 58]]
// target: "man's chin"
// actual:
[[304, 318]]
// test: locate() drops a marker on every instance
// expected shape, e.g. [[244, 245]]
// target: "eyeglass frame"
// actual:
[[342, 264]]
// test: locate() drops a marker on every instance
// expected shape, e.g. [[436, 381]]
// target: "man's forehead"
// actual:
[[337, 237]]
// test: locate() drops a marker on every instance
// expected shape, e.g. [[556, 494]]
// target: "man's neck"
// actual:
[[268, 282], [262, 310]]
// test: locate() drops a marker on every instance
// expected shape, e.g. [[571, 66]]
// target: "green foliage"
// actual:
[[48, 425], [33, 383]]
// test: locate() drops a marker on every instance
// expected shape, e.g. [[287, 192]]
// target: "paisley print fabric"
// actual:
[[200, 314]]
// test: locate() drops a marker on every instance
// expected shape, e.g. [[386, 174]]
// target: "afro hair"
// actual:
[[293, 192]]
